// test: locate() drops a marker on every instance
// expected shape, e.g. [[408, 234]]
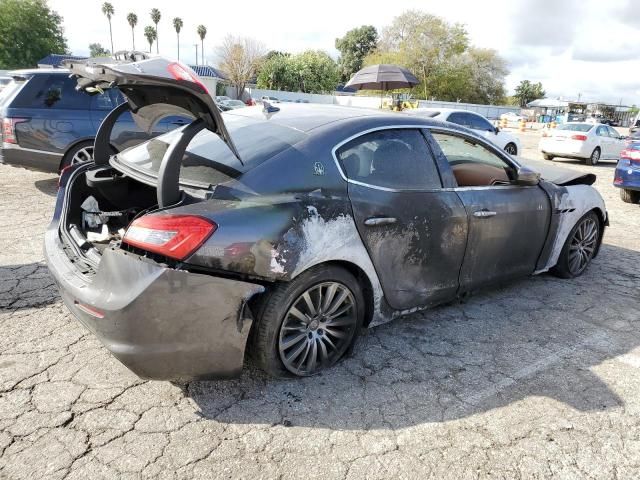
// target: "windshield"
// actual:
[[208, 160], [575, 127]]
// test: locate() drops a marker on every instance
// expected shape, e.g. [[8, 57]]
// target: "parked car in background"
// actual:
[[583, 141], [47, 124], [474, 121], [513, 117], [266, 98], [221, 98], [234, 104], [635, 125], [282, 237], [627, 174]]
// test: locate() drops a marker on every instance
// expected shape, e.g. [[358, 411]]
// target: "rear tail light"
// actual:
[[9, 129], [632, 155], [173, 236], [582, 138], [180, 71]]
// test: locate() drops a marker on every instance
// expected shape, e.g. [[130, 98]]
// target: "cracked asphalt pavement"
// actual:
[[537, 379]]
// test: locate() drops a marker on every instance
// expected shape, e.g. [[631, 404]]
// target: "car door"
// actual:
[[604, 141], [508, 223], [617, 142], [414, 230]]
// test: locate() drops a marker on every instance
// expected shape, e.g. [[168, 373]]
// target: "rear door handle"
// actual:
[[373, 221], [484, 213]]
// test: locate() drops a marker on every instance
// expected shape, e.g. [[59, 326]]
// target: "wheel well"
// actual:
[[74, 145], [365, 283], [601, 220]]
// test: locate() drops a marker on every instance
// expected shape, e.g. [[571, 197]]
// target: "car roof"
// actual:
[[305, 117]]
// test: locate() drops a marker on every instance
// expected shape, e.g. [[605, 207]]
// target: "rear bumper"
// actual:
[[570, 148], [627, 176], [161, 323]]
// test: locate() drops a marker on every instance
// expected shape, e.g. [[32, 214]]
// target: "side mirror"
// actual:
[[527, 177], [496, 130]]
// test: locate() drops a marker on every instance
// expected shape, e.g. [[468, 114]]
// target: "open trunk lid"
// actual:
[[154, 82]]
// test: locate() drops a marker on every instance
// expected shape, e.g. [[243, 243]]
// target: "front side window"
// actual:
[[396, 158], [473, 164], [479, 123]]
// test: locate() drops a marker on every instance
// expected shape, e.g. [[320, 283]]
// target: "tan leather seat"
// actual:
[[478, 174]]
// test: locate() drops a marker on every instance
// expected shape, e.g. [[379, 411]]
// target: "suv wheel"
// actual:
[[80, 153]]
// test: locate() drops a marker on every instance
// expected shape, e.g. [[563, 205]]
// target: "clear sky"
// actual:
[[574, 47]]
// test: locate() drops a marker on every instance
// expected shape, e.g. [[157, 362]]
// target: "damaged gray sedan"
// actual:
[[279, 232]]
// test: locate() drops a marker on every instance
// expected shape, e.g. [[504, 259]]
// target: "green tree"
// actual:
[[202, 32], [96, 50], [178, 24], [29, 30], [108, 11], [312, 71], [155, 18], [150, 34], [132, 20], [527, 91], [354, 47]]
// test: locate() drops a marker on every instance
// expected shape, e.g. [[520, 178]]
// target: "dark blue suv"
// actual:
[[47, 124]]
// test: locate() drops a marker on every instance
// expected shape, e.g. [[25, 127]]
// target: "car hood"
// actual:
[[152, 86], [558, 175]]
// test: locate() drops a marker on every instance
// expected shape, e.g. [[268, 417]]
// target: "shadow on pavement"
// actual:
[[48, 186], [541, 336]]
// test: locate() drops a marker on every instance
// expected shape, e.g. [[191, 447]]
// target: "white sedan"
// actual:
[[504, 140], [582, 140], [513, 117]]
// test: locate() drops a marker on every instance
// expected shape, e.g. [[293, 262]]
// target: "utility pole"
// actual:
[[196, 45]]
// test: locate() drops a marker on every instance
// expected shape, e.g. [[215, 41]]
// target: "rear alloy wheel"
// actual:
[[511, 149], [629, 196], [307, 325], [580, 247], [83, 152], [595, 157]]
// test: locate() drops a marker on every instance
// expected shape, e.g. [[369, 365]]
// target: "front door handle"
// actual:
[[484, 213], [373, 221]]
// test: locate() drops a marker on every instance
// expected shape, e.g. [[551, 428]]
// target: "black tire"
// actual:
[[629, 196], [80, 152], [511, 149], [274, 308], [594, 158], [547, 156], [565, 268]]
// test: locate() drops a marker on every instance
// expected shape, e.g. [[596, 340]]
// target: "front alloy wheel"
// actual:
[[583, 245], [318, 328], [580, 247]]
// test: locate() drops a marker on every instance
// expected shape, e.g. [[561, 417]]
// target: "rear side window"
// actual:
[[398, 159], [55, 91]]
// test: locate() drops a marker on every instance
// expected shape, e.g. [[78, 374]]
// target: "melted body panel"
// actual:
[[418, 256]]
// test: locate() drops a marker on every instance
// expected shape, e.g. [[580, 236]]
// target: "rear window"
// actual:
[[575, 127], [208, 160], [8, 91], [54, 91]]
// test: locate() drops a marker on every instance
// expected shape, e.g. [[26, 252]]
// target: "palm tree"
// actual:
[[132, 18], [202, 32], [177, 24], [151, 35], [155, 18], [108, 10]]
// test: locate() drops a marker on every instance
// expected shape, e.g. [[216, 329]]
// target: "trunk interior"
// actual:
[[101, 203]]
